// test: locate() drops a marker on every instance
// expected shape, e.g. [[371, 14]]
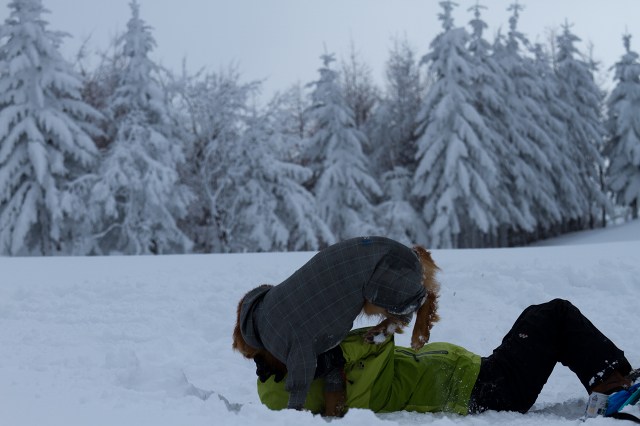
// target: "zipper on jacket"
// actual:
[[417, 357]]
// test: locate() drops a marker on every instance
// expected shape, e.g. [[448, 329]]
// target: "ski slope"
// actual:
[[141, 340]]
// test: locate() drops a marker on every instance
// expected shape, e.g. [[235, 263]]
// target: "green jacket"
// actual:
[[386, 378]]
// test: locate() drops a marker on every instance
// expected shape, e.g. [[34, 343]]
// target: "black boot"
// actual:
[[614, 382]]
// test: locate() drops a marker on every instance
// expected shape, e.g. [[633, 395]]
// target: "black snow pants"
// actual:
[[512, 377]]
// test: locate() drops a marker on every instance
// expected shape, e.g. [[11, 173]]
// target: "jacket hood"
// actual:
[[247, 326]]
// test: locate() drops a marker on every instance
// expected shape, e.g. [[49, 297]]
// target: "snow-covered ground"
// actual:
[[617, 233], [139, 340]]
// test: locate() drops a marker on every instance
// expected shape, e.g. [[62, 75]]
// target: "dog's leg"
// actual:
[[335, 403], [386, 328]]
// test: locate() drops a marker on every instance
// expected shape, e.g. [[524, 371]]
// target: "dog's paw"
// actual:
[[418, 342], [379, 333]]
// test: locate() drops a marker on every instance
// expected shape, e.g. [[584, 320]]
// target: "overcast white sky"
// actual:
[[281, 40]]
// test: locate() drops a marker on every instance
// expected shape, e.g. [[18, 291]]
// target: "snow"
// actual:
[[632, 409], [142, 340], [629, 231]]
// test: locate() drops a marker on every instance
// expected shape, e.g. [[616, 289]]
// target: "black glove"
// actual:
[[264, 370], [329, 361]]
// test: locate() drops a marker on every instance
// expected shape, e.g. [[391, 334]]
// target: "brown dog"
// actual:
[[426, 315], [285, 327]]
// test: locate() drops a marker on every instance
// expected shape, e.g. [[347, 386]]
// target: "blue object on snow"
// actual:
[[621, 399]]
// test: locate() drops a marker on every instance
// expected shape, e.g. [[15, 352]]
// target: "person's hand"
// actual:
[[264, 370]]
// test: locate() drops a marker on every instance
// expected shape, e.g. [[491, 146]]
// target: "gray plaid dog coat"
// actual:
[[313, 310]]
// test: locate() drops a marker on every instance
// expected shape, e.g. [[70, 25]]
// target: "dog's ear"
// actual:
[[427, 314], [239, 344], [238, 341], [425, 257], [429, 269]]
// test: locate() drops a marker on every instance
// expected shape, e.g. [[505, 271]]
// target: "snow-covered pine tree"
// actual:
[[456, 172], [45, 134], [623, 125], [551, 219], [527, 177], [287, 126], [395, 121], [139, 194], [100, 82], [395, 215], [248, 194], [360, 93], [490, 87], [289, 110], [585, 128], [393, 138], [271, 210], [343, 188]]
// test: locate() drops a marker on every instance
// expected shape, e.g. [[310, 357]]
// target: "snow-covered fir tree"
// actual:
[[271, 210], [343, 188], [290, 121], [396, 215], [289, 110], [101, 81], [139, 195], [249, 194], [553, 218], [287, 127], [490, 87], [527, 174], [393, 138], [585, 128], [585, 138], [45, 134], [395, 121], [456, 171], [360, 93], [623, 125]]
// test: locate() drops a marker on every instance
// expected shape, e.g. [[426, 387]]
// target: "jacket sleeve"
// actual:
[[330, 367]]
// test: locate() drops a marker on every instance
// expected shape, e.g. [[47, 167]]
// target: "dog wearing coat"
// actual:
[[287, 326]]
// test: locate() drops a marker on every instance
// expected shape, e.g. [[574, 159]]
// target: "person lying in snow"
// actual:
[[287, 326], [443, 377]]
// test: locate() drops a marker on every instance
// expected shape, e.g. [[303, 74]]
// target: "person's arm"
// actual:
[[335, 395], [330, 367]]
